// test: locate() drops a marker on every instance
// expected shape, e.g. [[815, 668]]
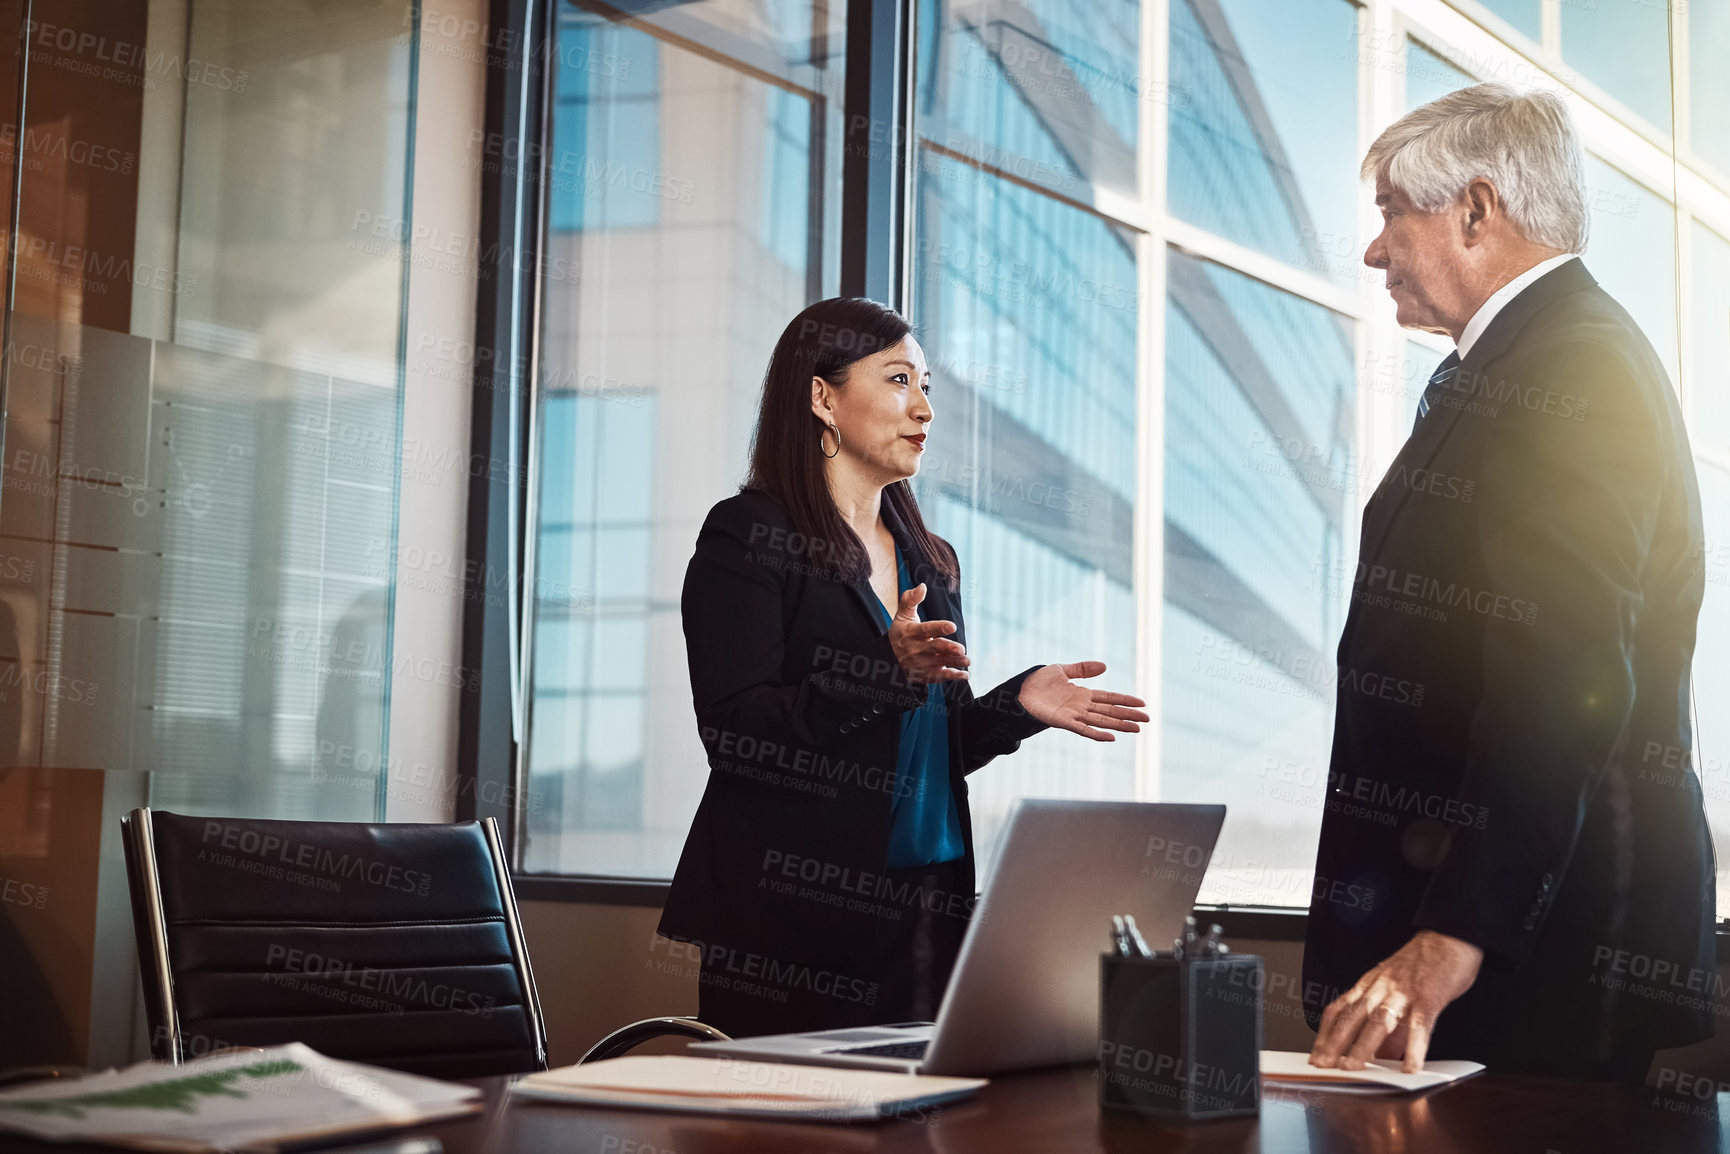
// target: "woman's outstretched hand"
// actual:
[[1049, 695], [922, 647]]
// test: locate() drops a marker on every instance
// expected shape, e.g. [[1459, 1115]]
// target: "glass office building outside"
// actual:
[[693, 161], [1163, 381]]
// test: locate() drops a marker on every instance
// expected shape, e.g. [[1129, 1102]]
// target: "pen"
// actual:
[[1135, 938], [388, 1146]]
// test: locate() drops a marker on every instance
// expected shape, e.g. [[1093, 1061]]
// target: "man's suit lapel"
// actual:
[[1417, 453], [1432, 432]]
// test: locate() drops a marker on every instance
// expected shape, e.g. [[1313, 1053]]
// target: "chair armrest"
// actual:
[[627, 1037]]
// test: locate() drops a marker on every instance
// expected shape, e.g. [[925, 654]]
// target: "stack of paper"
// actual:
[[254, 1100], [732, 1086], [1292, 1068]]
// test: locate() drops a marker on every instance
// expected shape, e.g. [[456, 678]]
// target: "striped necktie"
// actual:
[[1438, 384]]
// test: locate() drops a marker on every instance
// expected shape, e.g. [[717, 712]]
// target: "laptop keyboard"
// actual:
[[888, 1050]]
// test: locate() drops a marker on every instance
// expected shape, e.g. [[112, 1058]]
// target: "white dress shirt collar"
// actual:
[[1500, 298]]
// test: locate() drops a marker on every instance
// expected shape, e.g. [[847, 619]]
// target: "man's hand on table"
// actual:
[[1393, 1008]]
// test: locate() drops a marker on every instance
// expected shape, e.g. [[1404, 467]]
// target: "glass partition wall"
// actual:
[[201, 450]]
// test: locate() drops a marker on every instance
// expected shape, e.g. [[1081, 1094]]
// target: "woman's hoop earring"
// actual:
[[832, 427]]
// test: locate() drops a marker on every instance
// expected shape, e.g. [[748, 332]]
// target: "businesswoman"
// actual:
[[828, 875]]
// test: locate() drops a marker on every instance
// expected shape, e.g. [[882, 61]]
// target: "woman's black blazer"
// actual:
[[799, 700]]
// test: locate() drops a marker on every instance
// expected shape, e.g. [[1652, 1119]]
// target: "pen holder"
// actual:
[[1180, 1039]]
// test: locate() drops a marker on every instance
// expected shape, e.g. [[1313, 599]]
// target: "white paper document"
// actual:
[[253, 1100], [734, 1086], [1379, 1076]]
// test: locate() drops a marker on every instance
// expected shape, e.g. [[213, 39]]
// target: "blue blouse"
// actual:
[[925, 826]]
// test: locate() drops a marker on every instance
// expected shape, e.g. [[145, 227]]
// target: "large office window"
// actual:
[[691, 212], [1027, 305], [1259, 481], [1624, 48], [1428, 76], [1264, 136], [1709, 84], [1259, 450], [1164, 383], [1709, 394], [1526, 16]]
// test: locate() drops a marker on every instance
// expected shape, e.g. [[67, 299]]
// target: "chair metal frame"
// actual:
[[519, 947], [140, 841], [626, 1037]]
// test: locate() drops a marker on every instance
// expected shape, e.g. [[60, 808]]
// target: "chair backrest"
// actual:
[[393, 944]]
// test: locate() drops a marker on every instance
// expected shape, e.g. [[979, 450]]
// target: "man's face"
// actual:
[[1424, 257]]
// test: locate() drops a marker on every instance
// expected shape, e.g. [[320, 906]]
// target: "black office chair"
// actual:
[[395, 944]]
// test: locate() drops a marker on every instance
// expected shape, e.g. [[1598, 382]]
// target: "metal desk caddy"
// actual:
[[1179, 1030]]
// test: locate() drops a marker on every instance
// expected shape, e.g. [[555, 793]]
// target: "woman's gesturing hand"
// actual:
[[1049, 695], [922, 647]]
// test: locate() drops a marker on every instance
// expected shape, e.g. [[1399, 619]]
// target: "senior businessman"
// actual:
[[1517, 870]]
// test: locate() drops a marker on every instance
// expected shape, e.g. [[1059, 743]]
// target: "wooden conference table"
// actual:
[[1057, 1111]]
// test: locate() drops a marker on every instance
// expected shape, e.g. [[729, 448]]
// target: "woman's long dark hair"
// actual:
[[786, 461]]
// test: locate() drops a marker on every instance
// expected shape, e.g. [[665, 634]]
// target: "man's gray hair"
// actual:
[[1524, 143]]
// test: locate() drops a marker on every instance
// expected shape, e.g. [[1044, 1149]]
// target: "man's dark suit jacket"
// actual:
[[799, 700], [1512, 747]]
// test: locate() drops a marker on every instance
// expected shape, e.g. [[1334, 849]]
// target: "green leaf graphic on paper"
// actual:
[[179, 1094]]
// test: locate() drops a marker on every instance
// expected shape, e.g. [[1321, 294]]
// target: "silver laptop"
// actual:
[[1025, 991]]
